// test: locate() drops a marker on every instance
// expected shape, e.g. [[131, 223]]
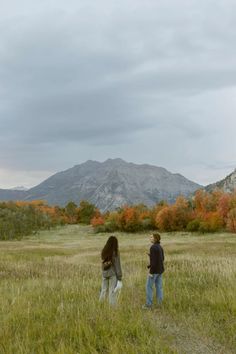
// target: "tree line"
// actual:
[[20, 218], [204, 212]]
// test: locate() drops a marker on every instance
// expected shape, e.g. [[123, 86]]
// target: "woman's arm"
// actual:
[[117, 267]]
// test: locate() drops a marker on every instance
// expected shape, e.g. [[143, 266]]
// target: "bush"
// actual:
[[193, 226], [212, 222], [147, 224]]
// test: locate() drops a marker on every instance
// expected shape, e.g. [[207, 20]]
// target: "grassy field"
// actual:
[[49, 288]]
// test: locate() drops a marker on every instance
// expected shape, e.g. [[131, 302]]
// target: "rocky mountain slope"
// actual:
[[9, 194], [111, 184], [228, 184]]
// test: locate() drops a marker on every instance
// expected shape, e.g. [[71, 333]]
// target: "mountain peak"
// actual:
[[19, 188], [116, 161]]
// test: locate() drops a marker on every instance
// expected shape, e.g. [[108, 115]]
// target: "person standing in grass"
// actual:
[[111, 271], [156, 268]]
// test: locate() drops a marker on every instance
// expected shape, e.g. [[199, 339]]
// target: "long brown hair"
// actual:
[[110, 247]]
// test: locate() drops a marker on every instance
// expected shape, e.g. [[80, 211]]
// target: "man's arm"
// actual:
[[163, 256], [152, 260]]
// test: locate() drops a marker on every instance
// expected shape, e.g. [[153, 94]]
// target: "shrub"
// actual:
[[193, 226]]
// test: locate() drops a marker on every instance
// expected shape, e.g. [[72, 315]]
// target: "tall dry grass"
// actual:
[[49, 288]]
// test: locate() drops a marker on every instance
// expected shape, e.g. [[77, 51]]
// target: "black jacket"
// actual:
[[156, 259]]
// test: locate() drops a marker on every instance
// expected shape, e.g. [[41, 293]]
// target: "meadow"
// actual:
[[50, 283]]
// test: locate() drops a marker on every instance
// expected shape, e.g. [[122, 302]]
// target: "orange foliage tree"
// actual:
[[231, 220]]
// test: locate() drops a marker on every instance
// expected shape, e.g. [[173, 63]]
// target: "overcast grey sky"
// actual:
[[148, 81]]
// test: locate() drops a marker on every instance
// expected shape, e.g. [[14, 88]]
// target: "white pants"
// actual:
[[108, 285]]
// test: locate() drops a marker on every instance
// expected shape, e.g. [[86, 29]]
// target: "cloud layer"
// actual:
[[151, 82]]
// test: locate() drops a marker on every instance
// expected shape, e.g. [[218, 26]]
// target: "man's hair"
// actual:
[[157, 237]]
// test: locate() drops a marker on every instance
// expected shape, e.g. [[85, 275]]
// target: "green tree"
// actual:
[[86, 212], [71, 211]]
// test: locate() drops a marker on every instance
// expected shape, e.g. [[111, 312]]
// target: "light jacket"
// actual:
[[115, 268]]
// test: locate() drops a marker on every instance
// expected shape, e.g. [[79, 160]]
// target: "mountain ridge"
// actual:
[[110, 184], [227, 184]]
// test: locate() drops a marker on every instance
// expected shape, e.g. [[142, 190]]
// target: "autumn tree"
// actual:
[[231, 220], [164, 219]]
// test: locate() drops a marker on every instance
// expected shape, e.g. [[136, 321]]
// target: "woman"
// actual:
[[111, 270]]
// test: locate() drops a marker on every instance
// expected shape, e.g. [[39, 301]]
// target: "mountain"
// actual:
[[9, 194], [19, 188], [111, 184], [228, 184]]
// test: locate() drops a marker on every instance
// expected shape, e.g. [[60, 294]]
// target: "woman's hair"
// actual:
[[110, 247], [157, 237]]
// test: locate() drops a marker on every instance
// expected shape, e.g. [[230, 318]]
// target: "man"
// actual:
[[156, 268]]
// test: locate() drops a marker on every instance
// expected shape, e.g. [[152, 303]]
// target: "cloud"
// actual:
[[107, 79]]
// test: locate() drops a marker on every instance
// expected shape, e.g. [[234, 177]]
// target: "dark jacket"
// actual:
[[114, 269], [156, 259]]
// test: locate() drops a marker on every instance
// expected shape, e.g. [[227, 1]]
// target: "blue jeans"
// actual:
[[151, 280]]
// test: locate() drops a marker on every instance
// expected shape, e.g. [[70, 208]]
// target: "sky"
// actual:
[[146, 81]]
